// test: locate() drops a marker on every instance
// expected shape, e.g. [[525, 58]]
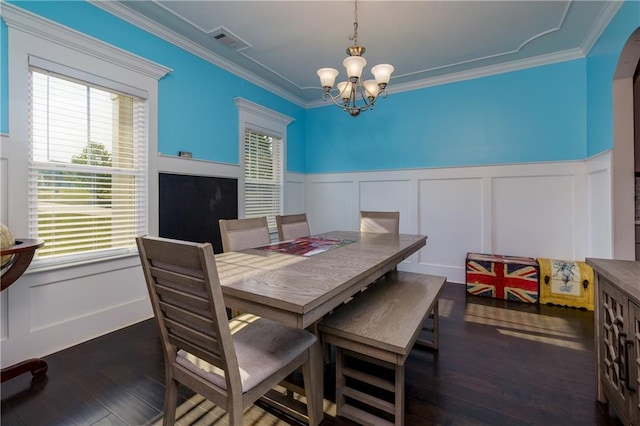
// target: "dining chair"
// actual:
[[240, 234], [292, 226], [231, 363], [381, 222]]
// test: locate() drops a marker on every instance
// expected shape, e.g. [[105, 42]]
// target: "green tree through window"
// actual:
[[95, 154]]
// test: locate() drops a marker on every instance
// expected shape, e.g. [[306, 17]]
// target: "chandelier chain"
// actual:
[[354, 37]]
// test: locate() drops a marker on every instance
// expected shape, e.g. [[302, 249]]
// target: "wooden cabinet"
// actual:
[[617, 336], [617, 346]]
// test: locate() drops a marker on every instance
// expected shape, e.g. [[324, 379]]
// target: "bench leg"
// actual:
[[399, 397], [435, 342], [340, 380], [436, 327]]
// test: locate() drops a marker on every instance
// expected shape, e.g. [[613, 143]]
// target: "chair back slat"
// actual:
[[187, 280], [179, 325], [198, 344], [241, 234], [196, 321], [184, 300]]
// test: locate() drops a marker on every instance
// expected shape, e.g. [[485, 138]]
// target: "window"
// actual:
[[262, 176], [262, 147], [87, 169]]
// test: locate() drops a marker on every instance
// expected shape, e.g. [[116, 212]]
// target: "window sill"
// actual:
[[46, 274]]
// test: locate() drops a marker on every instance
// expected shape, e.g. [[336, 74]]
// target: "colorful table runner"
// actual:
[[306, 246]]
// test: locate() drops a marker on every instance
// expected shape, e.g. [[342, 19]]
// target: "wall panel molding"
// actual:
[[535, 210], [294, 201], [599, 202]]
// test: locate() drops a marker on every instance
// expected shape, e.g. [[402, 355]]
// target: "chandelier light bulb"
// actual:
[[372, 89], [354, 66], [344, 90], [327, 77], [382, 73]]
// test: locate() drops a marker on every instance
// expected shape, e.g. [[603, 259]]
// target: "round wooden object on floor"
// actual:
[[23, 251]]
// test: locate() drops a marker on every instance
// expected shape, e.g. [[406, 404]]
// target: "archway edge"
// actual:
[[623, 181]]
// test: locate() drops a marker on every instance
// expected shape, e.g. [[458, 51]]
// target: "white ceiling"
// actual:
[[428, 42]]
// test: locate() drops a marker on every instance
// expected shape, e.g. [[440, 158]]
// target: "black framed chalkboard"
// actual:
[[191, 206]]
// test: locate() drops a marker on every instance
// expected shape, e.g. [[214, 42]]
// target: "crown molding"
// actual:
[[20, 19], [136, 19], [604, 19], [487, 71], [263, 112]]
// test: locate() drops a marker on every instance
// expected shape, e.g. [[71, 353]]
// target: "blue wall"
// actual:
[[537, 114], [550, 113], [196, 110], [601, 65]]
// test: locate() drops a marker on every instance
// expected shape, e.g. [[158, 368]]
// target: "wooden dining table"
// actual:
[[299, 290]]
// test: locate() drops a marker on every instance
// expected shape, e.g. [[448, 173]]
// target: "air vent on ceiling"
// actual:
[[228, 39]]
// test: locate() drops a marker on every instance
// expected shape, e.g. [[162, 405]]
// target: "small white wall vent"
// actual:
[[228, 39]]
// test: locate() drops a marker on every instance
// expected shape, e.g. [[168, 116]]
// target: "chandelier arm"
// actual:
[[351, 105], [367, 102], [337, 100]]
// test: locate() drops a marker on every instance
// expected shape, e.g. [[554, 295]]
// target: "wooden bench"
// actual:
[[380, 326]]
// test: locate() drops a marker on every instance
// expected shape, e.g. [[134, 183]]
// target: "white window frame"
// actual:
[[30, 36], [262, 120]]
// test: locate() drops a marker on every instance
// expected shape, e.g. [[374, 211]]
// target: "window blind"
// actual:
[[263, 179], [87, 180]]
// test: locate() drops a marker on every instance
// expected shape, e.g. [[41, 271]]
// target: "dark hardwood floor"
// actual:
[[499, 363]]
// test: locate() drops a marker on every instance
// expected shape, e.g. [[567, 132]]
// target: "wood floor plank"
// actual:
[[117, 397], [110, 420], [71, 400]]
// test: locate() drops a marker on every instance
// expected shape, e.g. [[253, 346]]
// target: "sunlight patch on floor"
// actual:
[[525, 321], [199, 411], [543, 339], [445, 306], [526, 325]]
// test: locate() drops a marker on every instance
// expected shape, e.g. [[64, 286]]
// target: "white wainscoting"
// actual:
[[449, 211], [600, 207], [558, 210], [331, 204], [294, 193]]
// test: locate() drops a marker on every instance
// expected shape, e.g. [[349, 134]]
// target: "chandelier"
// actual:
[[355, 95]]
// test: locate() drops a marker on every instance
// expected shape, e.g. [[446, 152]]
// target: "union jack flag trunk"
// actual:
[[503, 277]]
